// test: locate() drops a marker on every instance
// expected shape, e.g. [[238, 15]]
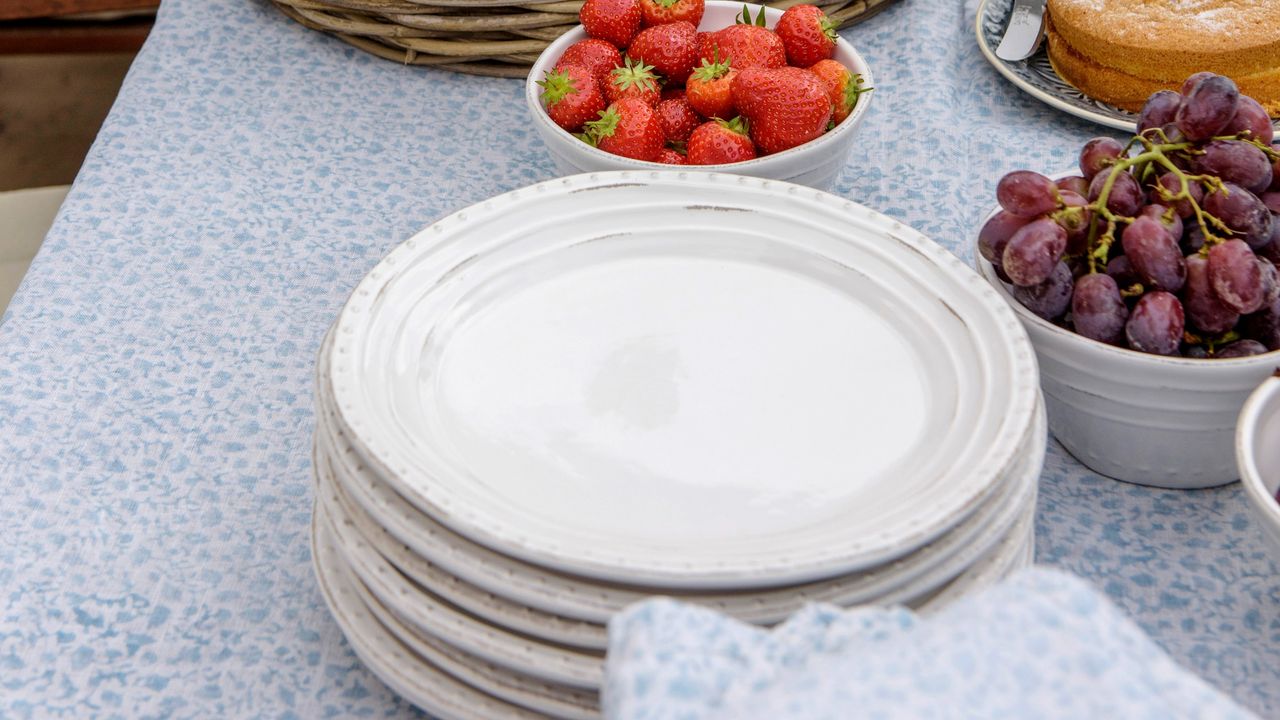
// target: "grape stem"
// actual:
[[1156, 150], [1266, 149], [1210, 343]]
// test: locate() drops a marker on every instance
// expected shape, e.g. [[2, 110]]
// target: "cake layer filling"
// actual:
[[1123, 88], [1169, 40]]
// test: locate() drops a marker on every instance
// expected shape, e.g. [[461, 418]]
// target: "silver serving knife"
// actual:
[[1025, 31]]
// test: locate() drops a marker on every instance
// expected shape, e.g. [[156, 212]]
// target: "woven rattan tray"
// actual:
[[482, 37]]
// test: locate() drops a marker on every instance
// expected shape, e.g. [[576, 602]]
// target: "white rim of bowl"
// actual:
[[987, 270], [1246, 439], [545, 61]]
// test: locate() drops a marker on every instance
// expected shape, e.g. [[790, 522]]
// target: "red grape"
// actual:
[[1208, 108], [1160, 110], [1251, 117], [1121, 270], [1270, 281], [1235, 276], [1073, 183], [1076, 225], [1241, 211], [1190, 83], [1206, 263], [1169, 181], [1156, 324], [1204, 310], [1033, 251], [1236, 162], [1126, 195], [1264, 326], [1097, 310], [1099, 153], [1271, 250], [1241, 348], [1155, 255], [1051, 298], [995, 234], [1027, 194], [1079, 266], [1192, 239], [1275, 167], [1169, 220]]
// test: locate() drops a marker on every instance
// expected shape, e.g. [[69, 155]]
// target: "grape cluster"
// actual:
[[1167, 244]]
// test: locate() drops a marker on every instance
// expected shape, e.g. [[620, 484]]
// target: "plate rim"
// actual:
[[1018, 502], [1003, 325], [1110, 121], [446, 705], [1030, 460]]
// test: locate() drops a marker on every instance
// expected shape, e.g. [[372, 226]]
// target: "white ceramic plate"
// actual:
[[546, 666], [553, 700], [546, 663], [552, 606], [423, 683], [767, 385], [363, 537], [1036, 75], [396, 665], [1016, 551]]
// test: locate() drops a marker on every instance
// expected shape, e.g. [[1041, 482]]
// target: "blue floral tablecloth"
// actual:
[[155, 366]]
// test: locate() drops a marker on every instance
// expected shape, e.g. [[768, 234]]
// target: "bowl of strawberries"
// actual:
[[646, 84]]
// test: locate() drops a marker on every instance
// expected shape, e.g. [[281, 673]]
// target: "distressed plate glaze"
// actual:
[[568, 611], [574, 374]]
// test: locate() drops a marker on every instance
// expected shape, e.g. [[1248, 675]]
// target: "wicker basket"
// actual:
[[482, 37]]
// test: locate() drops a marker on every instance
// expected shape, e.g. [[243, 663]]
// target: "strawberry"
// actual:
[[744, 46], [657, 12], [709, 88], [720, 141], [671, 49], [630, 128], [597, 56], [706, 46], [571, 96], [616, 21], [785, 106], [807, 34], [672, 92], [632, 79], [843, 87], [678, 119], [667, 156]]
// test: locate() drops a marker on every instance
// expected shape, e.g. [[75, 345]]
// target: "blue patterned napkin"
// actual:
[[1044, 644]]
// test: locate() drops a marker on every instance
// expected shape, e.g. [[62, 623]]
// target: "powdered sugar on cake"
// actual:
[[1138, 18]]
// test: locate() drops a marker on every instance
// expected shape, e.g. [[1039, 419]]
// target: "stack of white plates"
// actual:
[[738, 392]]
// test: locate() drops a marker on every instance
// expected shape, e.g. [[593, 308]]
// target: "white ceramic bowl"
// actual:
[[1258, 453], [1146, 419], [816, 163]]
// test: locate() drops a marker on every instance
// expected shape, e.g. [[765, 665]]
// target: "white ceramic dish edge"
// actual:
[[1258, 455]]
